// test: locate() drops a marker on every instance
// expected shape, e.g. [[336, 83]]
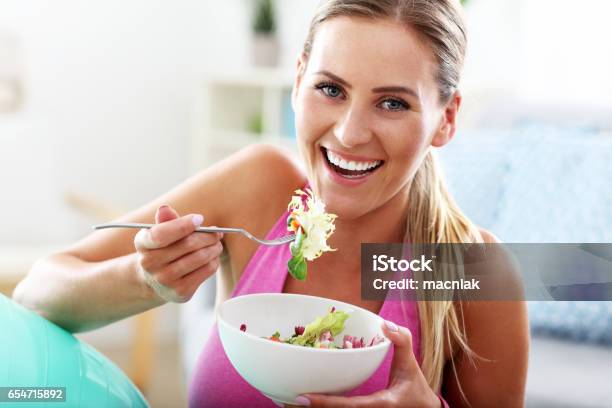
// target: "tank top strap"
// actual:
[[404, 312]]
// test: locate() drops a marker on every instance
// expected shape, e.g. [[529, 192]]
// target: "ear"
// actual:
[[448, 124], [299, 74]]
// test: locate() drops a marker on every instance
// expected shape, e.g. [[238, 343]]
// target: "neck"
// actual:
[[384, 224]]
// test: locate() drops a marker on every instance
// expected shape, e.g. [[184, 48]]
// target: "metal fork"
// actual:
[[272, 242]]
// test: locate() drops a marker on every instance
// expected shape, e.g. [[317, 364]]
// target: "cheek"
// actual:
[[312, 118], [405, 141]]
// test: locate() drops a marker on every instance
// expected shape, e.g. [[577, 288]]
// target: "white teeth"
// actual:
[[350, 165]]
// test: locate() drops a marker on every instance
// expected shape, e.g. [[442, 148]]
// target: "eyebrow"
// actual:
[[381, 89]]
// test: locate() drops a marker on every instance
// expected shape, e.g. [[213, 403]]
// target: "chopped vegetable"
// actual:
[[275, 337], [321, 332]]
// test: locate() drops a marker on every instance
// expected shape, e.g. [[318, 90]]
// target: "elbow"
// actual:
[[25, 295], [22, 293], [29, 293], [19, 294]]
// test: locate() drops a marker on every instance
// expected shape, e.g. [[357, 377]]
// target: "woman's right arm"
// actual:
[[79, 293], [115, 273]]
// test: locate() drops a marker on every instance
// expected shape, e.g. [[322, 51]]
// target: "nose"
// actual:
[[352, 129]]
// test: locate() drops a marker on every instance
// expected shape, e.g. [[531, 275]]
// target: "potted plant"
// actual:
[[265, 43]]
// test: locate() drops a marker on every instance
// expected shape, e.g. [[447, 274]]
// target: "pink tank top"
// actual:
[[217, 384]]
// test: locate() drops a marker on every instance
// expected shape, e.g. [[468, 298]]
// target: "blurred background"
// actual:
[[106, 105]]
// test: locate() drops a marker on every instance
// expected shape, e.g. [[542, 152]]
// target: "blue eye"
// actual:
[[330, 90], [394, 105]]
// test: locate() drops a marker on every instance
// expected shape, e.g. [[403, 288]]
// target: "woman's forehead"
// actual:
[[372, 50]]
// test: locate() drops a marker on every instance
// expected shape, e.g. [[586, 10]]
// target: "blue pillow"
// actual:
[[557, 188], [577, 321], [476, 166]]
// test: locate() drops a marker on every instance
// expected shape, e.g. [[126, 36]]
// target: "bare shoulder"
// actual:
[[501, 271], [263, 171], [262, 176], [488, 237]]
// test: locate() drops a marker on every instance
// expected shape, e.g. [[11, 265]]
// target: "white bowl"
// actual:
[[284, 371]]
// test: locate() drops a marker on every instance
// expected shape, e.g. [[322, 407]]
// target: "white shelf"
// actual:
[[241, 108], [256, 77], [224, 143]]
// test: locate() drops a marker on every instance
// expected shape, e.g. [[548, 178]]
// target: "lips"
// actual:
[[349, 167]]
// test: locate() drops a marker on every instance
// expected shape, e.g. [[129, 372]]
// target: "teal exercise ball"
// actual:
[[36, 353]]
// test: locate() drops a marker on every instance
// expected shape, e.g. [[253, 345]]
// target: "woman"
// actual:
[[375, 92]]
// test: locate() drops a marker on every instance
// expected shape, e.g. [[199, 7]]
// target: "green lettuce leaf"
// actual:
[[297, 268], [333, 322], [297, 264]]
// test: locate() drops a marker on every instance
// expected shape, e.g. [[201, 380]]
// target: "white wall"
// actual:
[[546, 60], [109, 94], [569, 52], [109, 100]]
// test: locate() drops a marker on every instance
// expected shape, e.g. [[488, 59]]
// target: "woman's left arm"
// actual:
[[498, 332]]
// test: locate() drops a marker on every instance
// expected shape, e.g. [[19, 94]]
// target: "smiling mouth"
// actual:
[[350, 169]]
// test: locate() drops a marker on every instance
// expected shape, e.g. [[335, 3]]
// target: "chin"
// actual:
[[344, 206]]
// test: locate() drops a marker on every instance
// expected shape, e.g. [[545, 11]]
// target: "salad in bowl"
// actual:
[[286, 345], [321, 333]]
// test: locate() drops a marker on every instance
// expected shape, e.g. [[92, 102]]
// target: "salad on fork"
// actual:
[[312, 227]]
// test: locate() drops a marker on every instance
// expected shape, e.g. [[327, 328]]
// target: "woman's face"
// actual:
[[367, 111]]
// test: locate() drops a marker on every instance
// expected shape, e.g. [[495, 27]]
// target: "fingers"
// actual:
[[189, 263], [173, 259], [191, 243], [168, 232], [404, 364], [165, 213], [188, 284], [378, 399], [143, 241]]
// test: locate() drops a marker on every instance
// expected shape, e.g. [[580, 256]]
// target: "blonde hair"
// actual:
[[433, 216]]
